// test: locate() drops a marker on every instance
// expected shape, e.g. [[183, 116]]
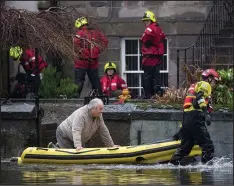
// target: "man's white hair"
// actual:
[[94, 103]]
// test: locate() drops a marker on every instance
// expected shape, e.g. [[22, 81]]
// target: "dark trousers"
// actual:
[[194, 129], [93, 76], [151, 80]]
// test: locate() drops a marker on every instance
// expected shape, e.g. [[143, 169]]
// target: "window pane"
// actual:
[[131, 46], [165, 46], [133, 80], [135, 93], [164, 63], [164, 79], [140, 60], [131, 62]]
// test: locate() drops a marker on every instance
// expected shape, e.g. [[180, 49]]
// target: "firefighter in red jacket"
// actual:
[[112, 84], [88, 44], [152, 54], [26, 58], [197, 108]]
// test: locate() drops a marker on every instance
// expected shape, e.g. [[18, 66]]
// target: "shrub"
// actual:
[[52, 86], [49, 83], [172, 96], [192, 74], [223, 92], [67, 88]]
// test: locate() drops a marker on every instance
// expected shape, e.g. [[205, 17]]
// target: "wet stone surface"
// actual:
[[18, 111], [60, 111]]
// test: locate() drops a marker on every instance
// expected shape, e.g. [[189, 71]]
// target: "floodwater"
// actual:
[[221, 172]]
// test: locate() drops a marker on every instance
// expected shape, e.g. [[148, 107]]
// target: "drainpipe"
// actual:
[[37, 83], [138, 137], [178, 69], [8, 73], [1, 96]]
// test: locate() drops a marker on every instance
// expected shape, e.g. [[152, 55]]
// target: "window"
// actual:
[[131, 65]]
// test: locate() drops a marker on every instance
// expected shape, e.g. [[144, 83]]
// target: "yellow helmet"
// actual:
[[80, 22], [109, 65], [16, 52], [203, 86], [149, 16]]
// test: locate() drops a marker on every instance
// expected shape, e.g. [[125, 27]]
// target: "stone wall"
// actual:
[[126, 124], [180, 20], [29, 5], [18, 126], [151, 131], [15, 136]]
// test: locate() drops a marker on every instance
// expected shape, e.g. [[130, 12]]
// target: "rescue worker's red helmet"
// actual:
[[210, 73]]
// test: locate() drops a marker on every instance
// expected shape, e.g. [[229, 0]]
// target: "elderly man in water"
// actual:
[[80, 126]]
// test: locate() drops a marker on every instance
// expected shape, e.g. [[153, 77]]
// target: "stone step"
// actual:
[[222, 59], [223, 41], [218, 66], [226, 32], [223, 49], [228, 24]]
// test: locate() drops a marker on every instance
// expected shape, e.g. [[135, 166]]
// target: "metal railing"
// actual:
[[203, 51]]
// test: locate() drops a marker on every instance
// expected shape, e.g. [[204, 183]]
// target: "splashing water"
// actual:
[[220, 172], [221, 163]]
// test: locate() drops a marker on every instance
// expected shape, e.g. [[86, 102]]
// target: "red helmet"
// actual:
[[210, 73]]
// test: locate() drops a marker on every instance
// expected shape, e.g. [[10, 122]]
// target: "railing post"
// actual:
[[139, 137], [37, 83], [185, 63], [0, 90], [178, 68], [8, 72]]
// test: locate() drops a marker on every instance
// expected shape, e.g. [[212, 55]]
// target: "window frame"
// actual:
[[140, 72]]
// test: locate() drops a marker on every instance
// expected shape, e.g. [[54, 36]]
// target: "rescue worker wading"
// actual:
[[112, 84], [88, 44], [197, 110], [152, 50]]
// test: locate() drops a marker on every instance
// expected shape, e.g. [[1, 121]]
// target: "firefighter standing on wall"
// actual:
[[88, 44], [197, 110], [112, 84], [152, 50]]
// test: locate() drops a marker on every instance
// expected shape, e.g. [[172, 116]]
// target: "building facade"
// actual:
[[121, 23]]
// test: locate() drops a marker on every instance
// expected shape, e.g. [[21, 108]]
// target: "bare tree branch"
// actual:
[[48, 30]]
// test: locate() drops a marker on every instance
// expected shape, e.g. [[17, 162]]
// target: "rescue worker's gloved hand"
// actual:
[[177, 136], [207, 116], [41, 76], [208, 119]]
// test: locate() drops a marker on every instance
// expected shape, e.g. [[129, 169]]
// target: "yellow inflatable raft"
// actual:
[[152, 153]]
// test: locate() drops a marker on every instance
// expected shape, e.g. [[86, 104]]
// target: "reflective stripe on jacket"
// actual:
[[188, 101], [28, 61]]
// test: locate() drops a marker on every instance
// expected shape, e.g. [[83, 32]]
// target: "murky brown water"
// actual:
[[219, 173]]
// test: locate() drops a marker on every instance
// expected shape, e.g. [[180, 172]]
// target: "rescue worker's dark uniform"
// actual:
[[194, 129]]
